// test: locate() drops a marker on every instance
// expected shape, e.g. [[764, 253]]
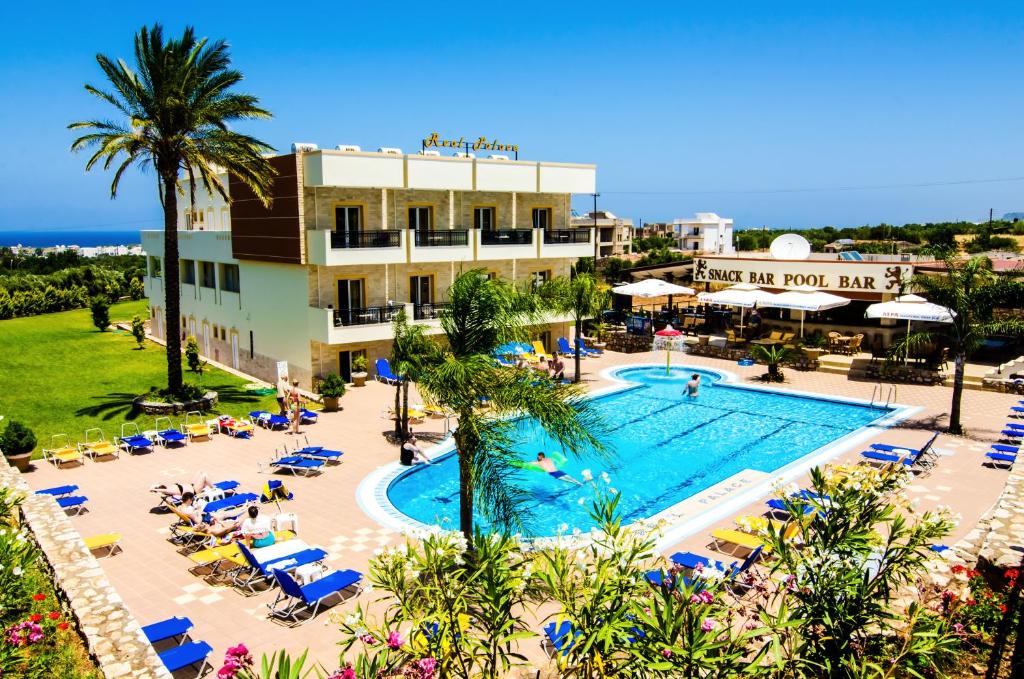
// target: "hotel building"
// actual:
[[351, 237], [614, 235], [704, 233]]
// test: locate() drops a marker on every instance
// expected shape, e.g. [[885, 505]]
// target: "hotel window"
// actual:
[[208, 277], [539, 278], [223, 334], [348, 223], [542, 218], [154, 267], [188, 272], [195, 219], [421, 289], [229, 278], [350, 294], [483, 218]]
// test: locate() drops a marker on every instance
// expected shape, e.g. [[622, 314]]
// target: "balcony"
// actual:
[[442, 238], [440, 245], [566, 236], [567, 243], [366, 316], [331, 248], [428, 312], [506, 244], [365, 239], [507, 237], [369, 324]]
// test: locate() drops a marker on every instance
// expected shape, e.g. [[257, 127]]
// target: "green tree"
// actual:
[[174, 110], [136, 290], [100, 308], [195, 362], [139, 331], [581, 297], [482, 314], [971, 290], [410, 352], [614, 269]]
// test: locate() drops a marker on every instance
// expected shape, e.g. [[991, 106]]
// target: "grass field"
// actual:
[[62, 376]]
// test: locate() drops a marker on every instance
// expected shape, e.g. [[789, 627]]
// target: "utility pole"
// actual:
[[597, 239]]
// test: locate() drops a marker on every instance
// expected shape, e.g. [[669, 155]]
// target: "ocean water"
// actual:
[[48, 239], [665, 447]]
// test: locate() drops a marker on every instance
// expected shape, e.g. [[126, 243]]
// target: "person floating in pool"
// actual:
[[549, 466], [693, 385]]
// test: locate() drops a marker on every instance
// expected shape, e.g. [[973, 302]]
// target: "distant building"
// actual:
[[704, 233], [615, 236]]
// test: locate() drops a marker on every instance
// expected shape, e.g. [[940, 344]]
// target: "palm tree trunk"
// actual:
[[579, 340], [465, 447], [172, 284], [958, 392], [398, 412], [405, 407]]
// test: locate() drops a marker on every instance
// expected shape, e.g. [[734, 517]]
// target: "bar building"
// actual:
[[351, 237]]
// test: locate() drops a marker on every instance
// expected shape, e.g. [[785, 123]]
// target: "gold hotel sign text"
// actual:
[[882, 277], [434, 140]]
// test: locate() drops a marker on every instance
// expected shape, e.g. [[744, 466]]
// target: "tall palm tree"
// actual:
[[972, 291], [482, 314], [173, 110], [411, 352], [582, 297]]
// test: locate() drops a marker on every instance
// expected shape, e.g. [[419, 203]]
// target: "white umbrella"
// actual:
[[807, 298], [742, 295], [652, 287], [910, 308]]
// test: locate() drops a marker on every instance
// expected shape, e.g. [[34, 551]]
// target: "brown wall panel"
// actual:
[[271, 234]]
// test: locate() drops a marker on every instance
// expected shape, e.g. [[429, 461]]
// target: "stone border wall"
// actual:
[[999, 542], [112, 636]]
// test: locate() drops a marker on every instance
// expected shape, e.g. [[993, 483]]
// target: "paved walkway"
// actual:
[[155, 582]]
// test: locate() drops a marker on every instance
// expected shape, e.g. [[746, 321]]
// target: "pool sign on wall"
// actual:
[[835, 276]]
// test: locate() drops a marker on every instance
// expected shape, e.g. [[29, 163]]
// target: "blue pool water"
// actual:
[[664, 447]]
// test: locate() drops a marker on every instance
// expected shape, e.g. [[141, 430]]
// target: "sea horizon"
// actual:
[[36, 238]]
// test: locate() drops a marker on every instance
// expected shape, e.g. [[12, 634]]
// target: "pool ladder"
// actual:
[[876, 392]]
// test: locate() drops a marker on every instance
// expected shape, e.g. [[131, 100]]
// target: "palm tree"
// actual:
[[173, 110], [482, 314], [411, 351], [582, 297], [972, 291]]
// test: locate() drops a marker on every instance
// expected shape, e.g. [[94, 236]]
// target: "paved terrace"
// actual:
[[155, 582]]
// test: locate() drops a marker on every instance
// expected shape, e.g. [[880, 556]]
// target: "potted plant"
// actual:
[[773, 357], [332, 387], [600, 328], [813, 346], [359, 371], [17, 443]]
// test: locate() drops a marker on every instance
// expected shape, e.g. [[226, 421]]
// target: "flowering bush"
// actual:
[[32, 642], [975, 612]]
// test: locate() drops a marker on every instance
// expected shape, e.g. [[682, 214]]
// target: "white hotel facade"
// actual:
[[350, 238]]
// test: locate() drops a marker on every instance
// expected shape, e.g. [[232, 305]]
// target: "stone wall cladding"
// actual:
[[112, 636], [998, 540]]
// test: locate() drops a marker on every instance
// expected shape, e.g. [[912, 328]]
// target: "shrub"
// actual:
[[195, 363], [139, 331], [17, 439], [359, 364], [332, 386], [100, 308], [136, 290]]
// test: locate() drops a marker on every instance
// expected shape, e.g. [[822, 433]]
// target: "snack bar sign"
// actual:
[[882, 277]]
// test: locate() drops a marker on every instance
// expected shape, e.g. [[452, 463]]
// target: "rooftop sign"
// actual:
[[481, 144], [832, 276]]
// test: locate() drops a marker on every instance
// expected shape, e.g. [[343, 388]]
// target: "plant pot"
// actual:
[[813, 353], [600, 345], [330, 404], [22, 462], [358, 379]]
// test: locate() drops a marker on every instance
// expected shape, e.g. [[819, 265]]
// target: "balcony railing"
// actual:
[[372, 315], [567, 236], [442, 238], [507, 237], [365, 239], [422, 312]]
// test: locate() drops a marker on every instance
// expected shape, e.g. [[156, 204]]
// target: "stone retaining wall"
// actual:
[[1000, 539], [112, 636]]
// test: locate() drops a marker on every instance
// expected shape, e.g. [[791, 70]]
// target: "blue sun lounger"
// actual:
[[1012, 434], [238, 500], [1014, 425], [1009, 450], [72, 504], [134, 444], [559, 637], [57, 491], [258, 571], [172, 628], [293, 597], [318, 453], [585, 350], [889, 448], [564, 349], [297, 464], [187, 655], [1017, 411], [308, 416], [1001, 459], [877, 456], [384, 373], [268, 420], [168, 437]]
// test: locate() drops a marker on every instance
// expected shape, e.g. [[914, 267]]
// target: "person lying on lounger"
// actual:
[[197, 486], [219, 525], [549, 466]]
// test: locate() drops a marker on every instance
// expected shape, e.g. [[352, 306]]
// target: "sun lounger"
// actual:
[[195, 427], [585, 350], [384, 373], [559, 638], [1001, 459], [213, 556], [747, 541], [297, 464], [269, 420], [293, 597], [235, 428], [318, 453], [61, 451], [564, 349], [910, 459], [1009, 450], [110, 542], [237, 501], [172, 628], [308, 416], [260, 563], [187, 655], [131, 439], [274, 491], [167, 435], [57, 491], [1016, 411], [539, 350], [96, 444], [923, 450], [72, 504]]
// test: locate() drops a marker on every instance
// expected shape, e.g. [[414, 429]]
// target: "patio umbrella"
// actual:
[[652, 287], [806, 298], [742, 295], [910, 308], [668, 332]]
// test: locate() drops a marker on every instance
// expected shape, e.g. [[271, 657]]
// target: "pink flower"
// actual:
[[708, 625], [239, 650], [426, 667], [368, 639], [958, 628], [345, 673], [694, 599], [706, 597], [667, 652], [395, 641]]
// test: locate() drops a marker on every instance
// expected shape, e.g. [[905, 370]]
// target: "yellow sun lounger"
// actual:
[[756, 524], [538, 350], [96, 444], [746, 540], [230, 552], [236, 428], [111, 542], [61, 451]]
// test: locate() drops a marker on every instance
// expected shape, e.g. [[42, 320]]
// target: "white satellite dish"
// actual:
[[790, 246]]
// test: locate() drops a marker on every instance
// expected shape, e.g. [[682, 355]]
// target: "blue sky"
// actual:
[[758, 111]]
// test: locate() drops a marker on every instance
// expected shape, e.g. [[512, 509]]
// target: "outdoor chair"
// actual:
[[384, 373], [269, 420], [835, 346], [166, 435], [293, 598], [72, 504], [109, 543], [854, 346], [61, 451], [585, 350], [297, 464], [321, 453], [58, 491], [262, 562], [132, 441], [187, 655], [559, 638], [97, 445], [235, 428], [732, 338], [196, 428], [175, 628]]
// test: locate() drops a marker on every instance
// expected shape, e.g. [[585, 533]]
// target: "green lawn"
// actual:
[[60, 375]]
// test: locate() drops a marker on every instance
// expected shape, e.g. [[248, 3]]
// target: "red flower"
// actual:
[[35, 617], [1002, 608], [958, 568], [62, 626], [39, 597], [54, 615], [1013, 573]]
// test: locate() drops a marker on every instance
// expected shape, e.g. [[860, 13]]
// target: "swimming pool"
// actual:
[[664, 448]]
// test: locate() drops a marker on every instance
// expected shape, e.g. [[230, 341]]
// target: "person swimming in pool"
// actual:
[[549, 466], [693, 385]]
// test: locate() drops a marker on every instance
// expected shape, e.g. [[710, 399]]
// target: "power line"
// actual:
[[820, 189]]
